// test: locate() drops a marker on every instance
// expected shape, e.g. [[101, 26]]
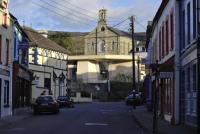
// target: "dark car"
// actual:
[[65, 101], [45, 103], [133, 99]]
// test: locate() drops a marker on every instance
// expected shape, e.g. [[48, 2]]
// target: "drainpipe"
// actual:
[[177, 63], [198, 67]]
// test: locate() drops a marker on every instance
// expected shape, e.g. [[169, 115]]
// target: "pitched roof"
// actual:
[[42, 42], [119, 32], [137, 36]]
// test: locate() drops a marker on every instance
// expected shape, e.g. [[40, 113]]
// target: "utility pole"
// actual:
[[132, 19], [198, 67], [138, 62]]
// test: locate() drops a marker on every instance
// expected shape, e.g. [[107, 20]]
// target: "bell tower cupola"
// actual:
[[102, 17]]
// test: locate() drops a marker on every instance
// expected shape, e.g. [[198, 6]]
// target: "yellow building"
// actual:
[[106, 57]]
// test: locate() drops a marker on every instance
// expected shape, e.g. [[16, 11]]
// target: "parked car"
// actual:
[[65, 101], [133, 99], [45, 103]]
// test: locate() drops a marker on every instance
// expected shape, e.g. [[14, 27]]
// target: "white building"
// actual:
[[48, 62]]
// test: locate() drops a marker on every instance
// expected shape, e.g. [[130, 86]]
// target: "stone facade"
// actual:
[[107, 55]]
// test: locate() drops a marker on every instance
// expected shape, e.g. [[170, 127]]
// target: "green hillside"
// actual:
[[72, 41]]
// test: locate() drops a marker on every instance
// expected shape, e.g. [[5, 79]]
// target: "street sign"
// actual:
[[166, 75]]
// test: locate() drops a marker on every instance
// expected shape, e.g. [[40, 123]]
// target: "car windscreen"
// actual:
[[45, 99]]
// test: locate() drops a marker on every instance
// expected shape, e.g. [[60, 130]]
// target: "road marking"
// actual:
[[17, 129], [96, 124], [106, 110]]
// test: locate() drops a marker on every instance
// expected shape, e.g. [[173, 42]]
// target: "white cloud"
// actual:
[[72, 18]]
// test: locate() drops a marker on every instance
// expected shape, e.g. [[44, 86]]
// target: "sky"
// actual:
[[82, 15]]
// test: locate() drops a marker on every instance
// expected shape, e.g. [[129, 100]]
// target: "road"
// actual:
[[87, 118]]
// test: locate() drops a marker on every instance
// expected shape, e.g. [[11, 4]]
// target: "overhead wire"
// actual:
[[72, 10], [70, 13], [61, 15]]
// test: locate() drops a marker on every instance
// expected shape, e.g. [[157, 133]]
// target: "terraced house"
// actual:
[[6, 45], [48, 62], [173, 43]]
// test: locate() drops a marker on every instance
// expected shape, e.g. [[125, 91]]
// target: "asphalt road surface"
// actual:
[[87, 118]]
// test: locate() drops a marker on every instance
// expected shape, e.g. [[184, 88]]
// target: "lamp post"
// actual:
[[155, 97]]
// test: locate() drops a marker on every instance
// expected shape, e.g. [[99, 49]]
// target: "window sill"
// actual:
[[6, 106]]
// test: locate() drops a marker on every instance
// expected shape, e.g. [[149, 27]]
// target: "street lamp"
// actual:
[[155, 68]]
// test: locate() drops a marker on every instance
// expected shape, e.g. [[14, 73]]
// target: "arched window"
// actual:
[[102, 29], [113, 46], [103, 46], [92, 48]]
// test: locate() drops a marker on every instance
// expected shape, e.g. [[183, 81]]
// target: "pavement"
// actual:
[[145, 120], [18, 115]]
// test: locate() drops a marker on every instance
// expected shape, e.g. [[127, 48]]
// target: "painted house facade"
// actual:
[[165, 43], [48, 62], [188, 51], [6, 54], [22, 77], [173, 42]]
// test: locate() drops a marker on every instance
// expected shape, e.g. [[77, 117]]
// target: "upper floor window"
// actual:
[[102, 46], [183, 30], [113, 45], [194, 19], [102, 29], [7, 51], [92, 47], [160, 45], [188, 23], [172, 30], [5, 20], [167, 37], [163, 41]]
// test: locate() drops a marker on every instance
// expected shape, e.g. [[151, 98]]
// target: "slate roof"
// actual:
[[137, 36], [37, 39], [119, 32]]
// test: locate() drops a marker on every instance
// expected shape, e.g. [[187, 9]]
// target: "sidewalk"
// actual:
[[145, 120], [18, 115]]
